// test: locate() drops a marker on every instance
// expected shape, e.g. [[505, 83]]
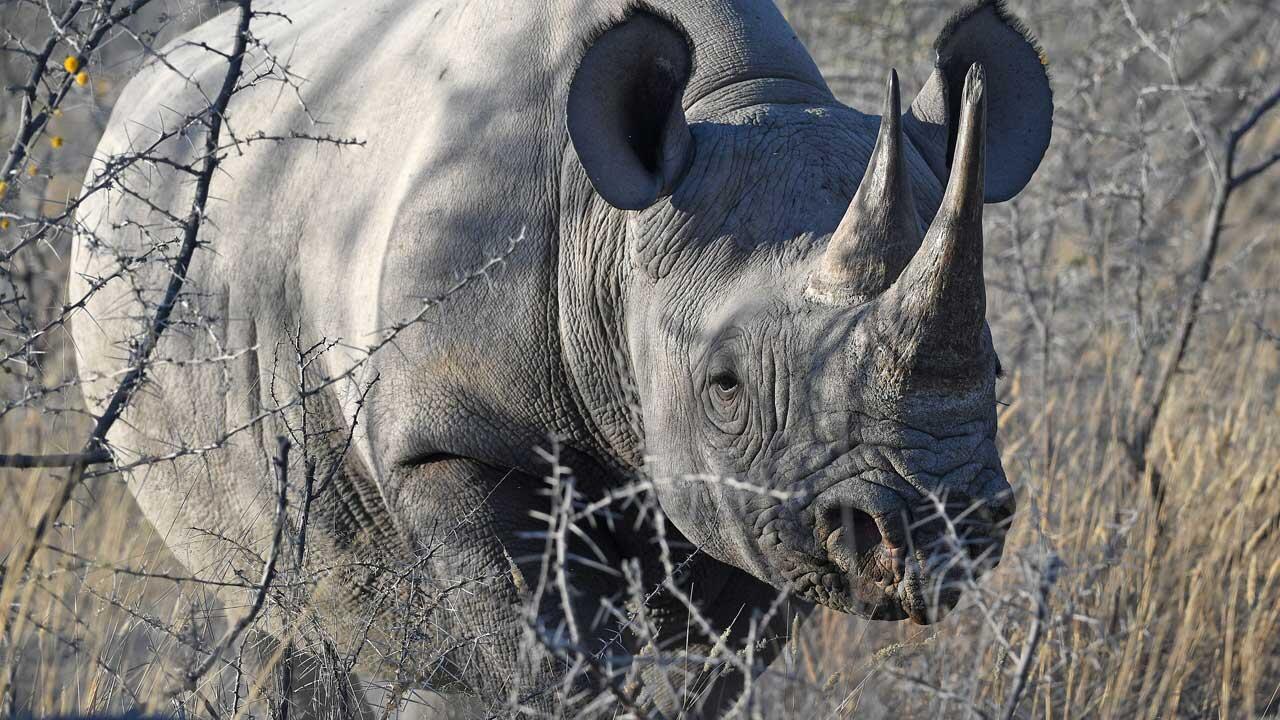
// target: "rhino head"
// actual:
[[805, 307]]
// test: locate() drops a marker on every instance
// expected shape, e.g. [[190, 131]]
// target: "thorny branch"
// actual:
[[1048, 576], [34, 122]]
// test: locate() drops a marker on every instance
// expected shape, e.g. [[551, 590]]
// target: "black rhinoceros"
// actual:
[[769, 304]]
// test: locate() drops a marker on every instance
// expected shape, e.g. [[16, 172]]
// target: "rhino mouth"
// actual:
[[884, 559], [888, 583]]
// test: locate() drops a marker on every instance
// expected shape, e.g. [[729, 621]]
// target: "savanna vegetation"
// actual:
[[1134, 301]]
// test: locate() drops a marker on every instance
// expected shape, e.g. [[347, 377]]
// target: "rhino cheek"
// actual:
[[716, 519]]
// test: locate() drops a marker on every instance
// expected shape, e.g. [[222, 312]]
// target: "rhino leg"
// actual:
[[697, 691], [480, 551], [296, 684], [481, 547]]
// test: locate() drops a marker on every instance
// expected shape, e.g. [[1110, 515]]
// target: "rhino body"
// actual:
[[673, 174]]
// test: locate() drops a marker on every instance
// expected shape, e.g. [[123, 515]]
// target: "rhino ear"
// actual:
[[1019, 99], [625, 116]]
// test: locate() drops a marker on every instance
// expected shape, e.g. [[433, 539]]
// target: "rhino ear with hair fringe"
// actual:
[[1020, 100], [624, 114]]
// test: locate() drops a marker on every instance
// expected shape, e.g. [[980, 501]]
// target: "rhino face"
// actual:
[[818, 404], [796, 454]]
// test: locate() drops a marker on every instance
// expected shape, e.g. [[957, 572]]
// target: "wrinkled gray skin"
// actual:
[[678, 307]]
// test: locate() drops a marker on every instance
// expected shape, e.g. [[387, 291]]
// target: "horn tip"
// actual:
[[975, 83], [892, 96]]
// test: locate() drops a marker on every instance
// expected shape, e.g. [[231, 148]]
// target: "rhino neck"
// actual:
[[593, 273]]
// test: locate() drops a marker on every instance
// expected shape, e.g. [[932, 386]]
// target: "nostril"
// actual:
[[861, 532]]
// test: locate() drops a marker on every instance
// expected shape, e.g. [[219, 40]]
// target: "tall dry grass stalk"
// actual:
[[81, 635]]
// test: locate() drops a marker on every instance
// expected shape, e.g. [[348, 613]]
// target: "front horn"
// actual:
[[880, 231], [934, 314]]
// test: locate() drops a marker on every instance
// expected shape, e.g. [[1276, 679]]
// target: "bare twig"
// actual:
[[159, 322], [33, 122], [92, 457]]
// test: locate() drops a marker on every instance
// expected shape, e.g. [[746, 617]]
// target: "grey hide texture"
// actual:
[[676, 173]]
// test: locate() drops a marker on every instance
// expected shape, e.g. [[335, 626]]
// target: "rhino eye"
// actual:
[[725, 383]]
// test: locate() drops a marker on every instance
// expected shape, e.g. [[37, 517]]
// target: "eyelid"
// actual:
[[720, 365], [726, 376], [722, 355]]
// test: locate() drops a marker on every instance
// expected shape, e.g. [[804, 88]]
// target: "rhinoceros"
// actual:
[[723, 282]]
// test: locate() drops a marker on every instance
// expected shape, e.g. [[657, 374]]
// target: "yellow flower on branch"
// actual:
[[82, 78], [4, 188], [72, 64], [33, 169], [56, 141], [4, 224]]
